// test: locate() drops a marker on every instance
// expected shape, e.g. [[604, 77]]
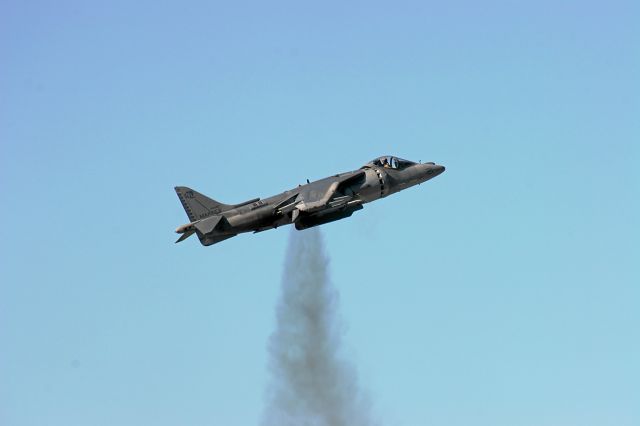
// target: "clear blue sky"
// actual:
[[504, 292]]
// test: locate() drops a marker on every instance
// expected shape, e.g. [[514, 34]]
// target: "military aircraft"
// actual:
[[315, 203]]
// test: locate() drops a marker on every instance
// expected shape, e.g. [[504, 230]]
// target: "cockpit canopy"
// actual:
[[390, 162]]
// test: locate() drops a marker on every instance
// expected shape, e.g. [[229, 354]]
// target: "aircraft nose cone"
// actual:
[[430, 170], [435, 169]]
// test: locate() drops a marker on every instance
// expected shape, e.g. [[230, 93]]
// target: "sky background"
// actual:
[[505, 292]]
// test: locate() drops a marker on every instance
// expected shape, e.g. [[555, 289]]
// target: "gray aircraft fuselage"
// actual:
[[315, 203]]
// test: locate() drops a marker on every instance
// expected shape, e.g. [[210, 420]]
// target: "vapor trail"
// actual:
[[311, 384]]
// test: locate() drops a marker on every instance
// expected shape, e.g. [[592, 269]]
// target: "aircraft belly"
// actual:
[[316, 219]]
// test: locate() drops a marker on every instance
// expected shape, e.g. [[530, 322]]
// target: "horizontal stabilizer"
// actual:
[[207, 225], [185, 236], [210, 240]]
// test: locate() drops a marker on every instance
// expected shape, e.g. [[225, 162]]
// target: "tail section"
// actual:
[[199, 206], [210, 230], [206, 220]]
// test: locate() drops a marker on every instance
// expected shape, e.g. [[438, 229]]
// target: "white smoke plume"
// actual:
[[311, 382]]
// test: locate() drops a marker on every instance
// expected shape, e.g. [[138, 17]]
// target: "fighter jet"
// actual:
[[315, 203]]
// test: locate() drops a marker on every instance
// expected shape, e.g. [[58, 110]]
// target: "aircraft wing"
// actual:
[[333, 196]]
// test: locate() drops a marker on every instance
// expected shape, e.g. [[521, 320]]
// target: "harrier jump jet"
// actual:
[[323, 201]]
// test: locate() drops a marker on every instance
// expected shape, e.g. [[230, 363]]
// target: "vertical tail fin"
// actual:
[[198, 206]]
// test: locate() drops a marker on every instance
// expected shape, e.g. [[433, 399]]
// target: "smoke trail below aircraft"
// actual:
[[311, 382]]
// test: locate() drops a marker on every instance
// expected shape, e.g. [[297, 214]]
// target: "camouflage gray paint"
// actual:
[[323, 201]]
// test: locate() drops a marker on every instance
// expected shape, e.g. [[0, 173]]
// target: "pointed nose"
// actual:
[[433, 169]]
